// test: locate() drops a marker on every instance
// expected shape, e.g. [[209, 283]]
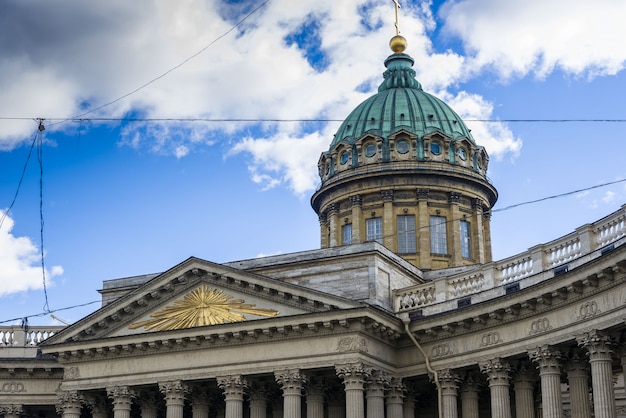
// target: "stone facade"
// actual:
[[549, 346]]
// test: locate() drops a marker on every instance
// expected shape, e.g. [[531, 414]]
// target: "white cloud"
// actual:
[[106, 50], [536, 36], [20, 263]]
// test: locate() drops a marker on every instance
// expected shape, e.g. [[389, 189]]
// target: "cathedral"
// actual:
[[401, 313]]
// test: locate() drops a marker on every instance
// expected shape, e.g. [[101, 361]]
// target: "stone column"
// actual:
[[449, 384], [354, 376], [375, 394], [470, 391], [599, 348], [395, 398], [408, 406], [315, 398], [258, 401], [12, 411], [291, 382], [498, 375], [233, 387], [336, 402], [199, 402], [148, 401], [389, 223], [357, 218], [578, 379], [69, 404], [99, 406], [122, 398], [423, 233], [548, 363], [524, 387], [174, 393], [454, 246]]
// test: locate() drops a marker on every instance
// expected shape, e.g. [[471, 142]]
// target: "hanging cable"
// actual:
[[19, 184], [171, 69], [40, 129]]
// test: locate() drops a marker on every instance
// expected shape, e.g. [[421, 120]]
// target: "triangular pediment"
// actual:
[[198, 293]]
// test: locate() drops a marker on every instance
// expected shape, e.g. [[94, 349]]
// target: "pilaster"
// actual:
[[454, 246], [357, 218], [389, 225], [422, 228]]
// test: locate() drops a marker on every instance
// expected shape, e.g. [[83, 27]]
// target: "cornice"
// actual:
[[142, 300], [365, 321], [572, 287]]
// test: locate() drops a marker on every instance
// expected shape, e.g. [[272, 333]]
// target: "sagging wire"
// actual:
[[40, 129], [19, 184]]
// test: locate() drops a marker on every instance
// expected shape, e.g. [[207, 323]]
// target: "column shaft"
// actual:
[[122, 397], [354, 376], [174, 394], [498, 375], [599, 347], [291, 383], [548, 361], [233, 387]]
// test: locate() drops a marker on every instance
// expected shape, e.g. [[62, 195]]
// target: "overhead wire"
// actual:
[[40, 130], [19, 184], [186, 60], [47, 312], [81, 119]]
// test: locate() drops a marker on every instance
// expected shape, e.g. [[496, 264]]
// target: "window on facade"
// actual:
[[346, 234], [435, 148], [344, 157], [438, 239], [374, 228], [402, 147], [406, 234], [465, 240], [370, 149]]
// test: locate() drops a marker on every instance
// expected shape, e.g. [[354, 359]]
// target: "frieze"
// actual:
[[588, 310], [539, 326], [490, 338], [12, 387], [352, 344], [441, 350], [71, 373]]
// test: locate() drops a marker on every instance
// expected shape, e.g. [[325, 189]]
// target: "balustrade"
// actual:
[[587, 241]]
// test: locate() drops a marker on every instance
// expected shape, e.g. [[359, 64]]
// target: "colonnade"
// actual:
[[591, 360], [313, 393]]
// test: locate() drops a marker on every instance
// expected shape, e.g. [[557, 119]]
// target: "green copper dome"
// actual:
[[401, 104]]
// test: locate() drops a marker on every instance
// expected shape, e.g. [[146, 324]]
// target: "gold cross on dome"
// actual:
[[397, 4]]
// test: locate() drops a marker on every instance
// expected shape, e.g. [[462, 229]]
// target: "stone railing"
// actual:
[[16, 336], [585, 243]]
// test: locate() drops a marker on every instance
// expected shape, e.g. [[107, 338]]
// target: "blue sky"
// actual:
[[125, 198]]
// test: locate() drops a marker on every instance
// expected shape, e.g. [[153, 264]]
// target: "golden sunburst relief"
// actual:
[[202, 306]]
